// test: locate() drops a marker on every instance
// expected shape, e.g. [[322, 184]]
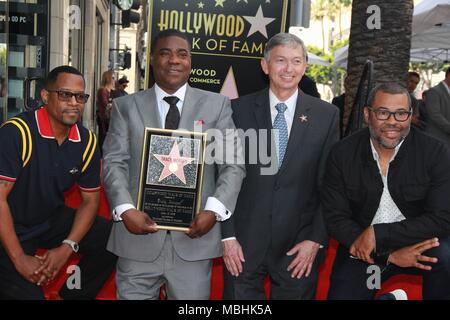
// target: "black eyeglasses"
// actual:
[[67, 96], [382, 114]]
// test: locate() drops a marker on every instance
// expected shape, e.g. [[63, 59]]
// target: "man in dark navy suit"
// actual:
[[277, 227]]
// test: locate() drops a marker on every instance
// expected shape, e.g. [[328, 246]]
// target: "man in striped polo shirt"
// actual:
[[43, 153]]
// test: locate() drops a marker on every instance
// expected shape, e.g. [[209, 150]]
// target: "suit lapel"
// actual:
[[148, 108], [298, 130], [262, 110], [444, 91], [189, 114], [264, 122]]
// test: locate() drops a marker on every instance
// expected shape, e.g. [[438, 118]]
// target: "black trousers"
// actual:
[[96, 264], [249, 285], [349, 276]]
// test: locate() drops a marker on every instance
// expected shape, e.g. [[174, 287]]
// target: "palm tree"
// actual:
[[340, 5], [328, 9], [319, 11], [388, 47]]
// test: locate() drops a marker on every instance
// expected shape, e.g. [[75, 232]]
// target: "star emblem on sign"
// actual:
[[303, 118], [258, 23], [173, 164]]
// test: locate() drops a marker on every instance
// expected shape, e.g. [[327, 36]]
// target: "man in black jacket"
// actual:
[[386, 200]]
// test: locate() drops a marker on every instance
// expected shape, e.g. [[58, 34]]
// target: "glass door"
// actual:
[[23, 53], [4, 32]]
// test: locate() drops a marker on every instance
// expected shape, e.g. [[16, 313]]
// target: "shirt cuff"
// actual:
[[117, 212], [230, 238], [212, 204]]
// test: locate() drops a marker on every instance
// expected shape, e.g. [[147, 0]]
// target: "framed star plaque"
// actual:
[[170, 184]]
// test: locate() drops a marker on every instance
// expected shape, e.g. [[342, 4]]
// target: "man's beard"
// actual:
[[69, 121], [383, 143]]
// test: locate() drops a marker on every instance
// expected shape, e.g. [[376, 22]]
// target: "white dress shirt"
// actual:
[[289, 113], [290, 103], [212, 203], [163, 106], [387, 212]]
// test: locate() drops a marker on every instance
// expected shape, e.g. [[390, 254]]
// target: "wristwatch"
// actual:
[[72, 244]]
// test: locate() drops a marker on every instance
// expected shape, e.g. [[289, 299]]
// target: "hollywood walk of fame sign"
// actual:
[[228, 39], [170, 184]]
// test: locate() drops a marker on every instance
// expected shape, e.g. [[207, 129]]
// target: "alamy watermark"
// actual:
[[374, 280], [73, 282], [374, 20], [73, 14], [227, 147]]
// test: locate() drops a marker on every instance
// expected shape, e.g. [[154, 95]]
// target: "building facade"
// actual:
[[38, 35]]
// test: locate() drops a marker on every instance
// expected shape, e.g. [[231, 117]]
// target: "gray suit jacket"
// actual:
[[121, 169], [438, 110]]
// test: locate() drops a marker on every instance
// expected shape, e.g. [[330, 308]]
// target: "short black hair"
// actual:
[[169, 33], [53, 75], [391, 88]]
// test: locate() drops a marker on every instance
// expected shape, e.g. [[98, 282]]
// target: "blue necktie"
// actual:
[[281, 125]]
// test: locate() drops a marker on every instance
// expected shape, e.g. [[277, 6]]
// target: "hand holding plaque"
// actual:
[[203, 222], [171, 177], [138, 222]]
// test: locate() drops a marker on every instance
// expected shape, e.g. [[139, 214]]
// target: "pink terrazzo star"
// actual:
[[173, 164]]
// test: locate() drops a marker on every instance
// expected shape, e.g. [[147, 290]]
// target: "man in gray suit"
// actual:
[[438, 108], [149, 258], [278, 228]]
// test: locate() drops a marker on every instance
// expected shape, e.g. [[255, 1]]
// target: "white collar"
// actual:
[[180, 93], [290, 102], [375, 155]]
